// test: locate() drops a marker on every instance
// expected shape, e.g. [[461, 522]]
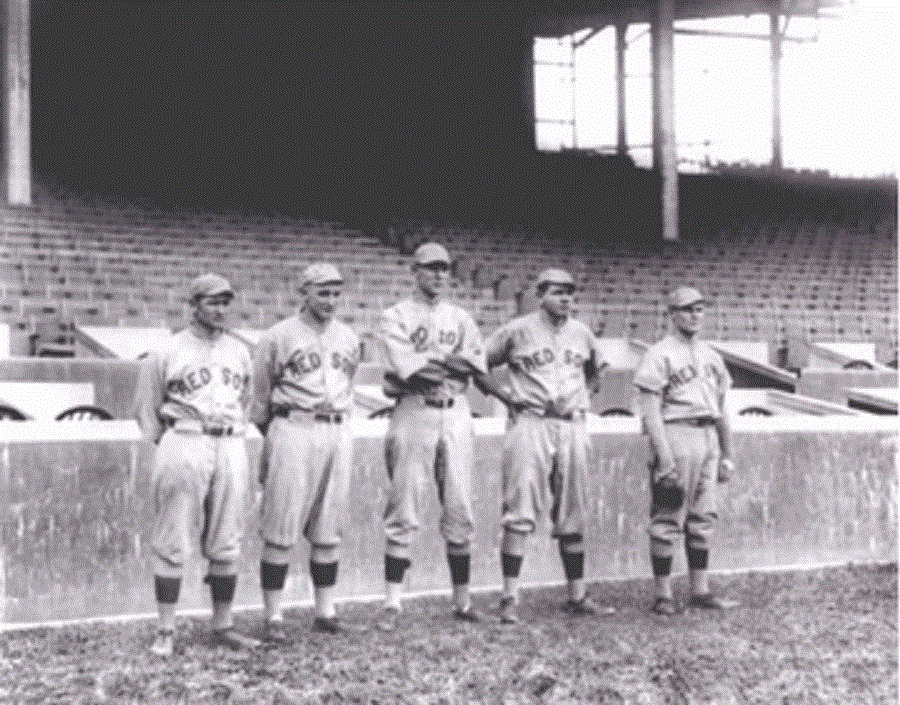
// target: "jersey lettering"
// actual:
[[197, 379], [345, 364], [419, 339], [302, 362]]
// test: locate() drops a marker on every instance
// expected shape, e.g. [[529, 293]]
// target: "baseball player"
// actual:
[[682, 384], [304, 368], [554, 364], [192, 401], [432, 348]]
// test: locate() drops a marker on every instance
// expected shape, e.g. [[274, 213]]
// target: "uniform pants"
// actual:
[[199, 479], [545, 471], [308, 466], [696, 452], [426, 447]]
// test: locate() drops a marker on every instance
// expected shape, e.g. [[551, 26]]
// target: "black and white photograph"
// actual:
[[449, 352]]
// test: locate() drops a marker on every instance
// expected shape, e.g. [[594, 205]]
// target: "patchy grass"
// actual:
[[799, 638]]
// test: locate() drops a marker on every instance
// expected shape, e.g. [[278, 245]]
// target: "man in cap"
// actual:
[[682, 384], [192, 400], [304, 368], [554, 363], [431, 348]]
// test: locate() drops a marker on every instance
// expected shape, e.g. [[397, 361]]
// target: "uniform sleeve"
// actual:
[[399, 351], [471, 346], [248, 396], [651, 375], [497, 347], [596, 362], [263, 366], [148, 397], [725, 380]]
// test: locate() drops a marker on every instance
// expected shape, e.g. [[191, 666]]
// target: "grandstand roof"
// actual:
[[562, 17]]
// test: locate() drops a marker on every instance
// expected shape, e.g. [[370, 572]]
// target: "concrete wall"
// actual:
[[75, 516]]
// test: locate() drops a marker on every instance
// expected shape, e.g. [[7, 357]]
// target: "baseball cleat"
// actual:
[[586, 607], [664, 606], [708, 601], [274, 631], [466, 615], [509, 613], [231, 638], [164, 643], [335, 625], [387, 621]]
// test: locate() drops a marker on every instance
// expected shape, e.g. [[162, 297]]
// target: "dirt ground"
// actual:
[[798, 638]]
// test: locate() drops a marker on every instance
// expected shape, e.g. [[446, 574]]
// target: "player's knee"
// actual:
[[571, 543], [275, 554], [462, 548], [322, 553]]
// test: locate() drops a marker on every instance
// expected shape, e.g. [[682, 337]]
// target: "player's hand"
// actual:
[[726, 469], [433, 372], [665, 471], [458, 365]]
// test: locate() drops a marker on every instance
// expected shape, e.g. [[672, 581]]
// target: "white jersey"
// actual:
[[690, 377], [412, 332], [298, 367], [196, 378], [547, 364]]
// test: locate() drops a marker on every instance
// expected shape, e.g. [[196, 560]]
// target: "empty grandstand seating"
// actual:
[[769, 277]]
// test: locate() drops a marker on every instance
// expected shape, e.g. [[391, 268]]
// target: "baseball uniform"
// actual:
[[430, 435], [691, 380], [304, 392], [193, 397], [546, 448]]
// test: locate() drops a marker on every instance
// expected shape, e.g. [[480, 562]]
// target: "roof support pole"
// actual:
[[665, 155], [776, 38], [17, 101], [621, 138]]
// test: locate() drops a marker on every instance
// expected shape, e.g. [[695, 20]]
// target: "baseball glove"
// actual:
[[668, 494]]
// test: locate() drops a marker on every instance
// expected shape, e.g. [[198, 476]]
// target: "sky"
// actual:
[[839, 93]]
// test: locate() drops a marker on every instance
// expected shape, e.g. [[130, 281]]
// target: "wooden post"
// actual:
[[776, 52], [17, 101], [665, 155], [621, 138]]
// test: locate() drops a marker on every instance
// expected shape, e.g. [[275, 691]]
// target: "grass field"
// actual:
[[799, 638]]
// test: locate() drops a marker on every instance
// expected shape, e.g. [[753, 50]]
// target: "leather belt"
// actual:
[[699, 422], [556, 416], [196, 426], [439, 403], [307, 415]]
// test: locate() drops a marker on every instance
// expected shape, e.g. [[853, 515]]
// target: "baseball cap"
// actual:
[[555, 276], [685, 296], [209, 285], [429, 252], [321, 273]]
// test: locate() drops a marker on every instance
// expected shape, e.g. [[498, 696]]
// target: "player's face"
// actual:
[[211, 311], [322, 300], [557, 300], [432, 277], [689, 319]]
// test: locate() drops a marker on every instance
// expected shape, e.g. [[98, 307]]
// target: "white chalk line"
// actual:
[[413, 595]]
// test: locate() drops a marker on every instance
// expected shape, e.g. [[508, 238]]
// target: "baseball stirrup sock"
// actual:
[[697, 558], [662, 565], [511, 564], [272, 575], [167, 589], [573, 565], [222, 587], [394, 568], [323, 574], [459, 568]]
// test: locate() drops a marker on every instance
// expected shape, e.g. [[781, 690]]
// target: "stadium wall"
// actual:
[[77, 515]]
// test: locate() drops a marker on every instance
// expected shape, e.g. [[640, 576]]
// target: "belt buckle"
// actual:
[[329, 417], [217, 431]]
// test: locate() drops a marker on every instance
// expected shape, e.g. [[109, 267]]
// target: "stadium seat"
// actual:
[[84, 413]]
